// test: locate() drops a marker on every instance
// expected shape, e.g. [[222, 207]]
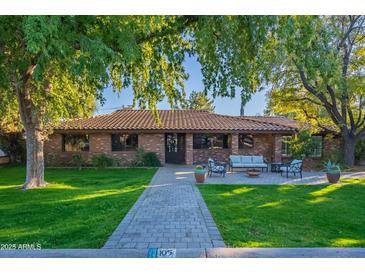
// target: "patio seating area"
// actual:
[[237, 177]]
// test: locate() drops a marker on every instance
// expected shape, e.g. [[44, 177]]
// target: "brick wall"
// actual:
[[262, 145], [101, 143], [189, 152], [218, 154], [153, 143], [235, 145]]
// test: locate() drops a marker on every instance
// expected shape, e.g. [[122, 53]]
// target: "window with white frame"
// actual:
[[285, 146], [315, 152]]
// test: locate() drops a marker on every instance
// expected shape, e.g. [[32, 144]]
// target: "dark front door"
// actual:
[[175, 148]]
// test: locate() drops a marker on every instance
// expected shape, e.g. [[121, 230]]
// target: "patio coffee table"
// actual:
[[253, 172]]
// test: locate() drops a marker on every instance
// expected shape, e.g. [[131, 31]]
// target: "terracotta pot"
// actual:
[[199, 177], [333, 177]]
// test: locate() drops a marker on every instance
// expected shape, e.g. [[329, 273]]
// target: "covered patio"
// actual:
[[186, 174]]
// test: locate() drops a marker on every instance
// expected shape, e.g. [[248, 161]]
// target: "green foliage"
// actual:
[[332, 167], [143, 158], [199, 169], [70, 59], [335, 155], [301, 145], [76, 57], [360, 150], [81, 208], [200, 101], [138, 159], [317, 72], [14, 145], [102, 161], [151, 159], [232, 52], [122, 162], [78, 161]]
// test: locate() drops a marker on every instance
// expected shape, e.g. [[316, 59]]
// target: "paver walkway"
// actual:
[[168, 214]]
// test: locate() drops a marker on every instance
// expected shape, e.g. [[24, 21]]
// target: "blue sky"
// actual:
[[228, 106]]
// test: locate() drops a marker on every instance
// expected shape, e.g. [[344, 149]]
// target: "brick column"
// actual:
[[189, 156], [277, 148], [234, 143], [100, 143]]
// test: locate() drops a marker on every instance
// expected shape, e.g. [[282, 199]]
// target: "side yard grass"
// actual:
[[78, 209], [289, 215]]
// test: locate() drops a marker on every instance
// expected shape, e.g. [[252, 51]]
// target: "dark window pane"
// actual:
[[75, 142], [201, 141], [226, 141], [123, 142], [245, 141]]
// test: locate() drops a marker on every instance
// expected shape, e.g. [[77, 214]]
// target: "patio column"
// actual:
[[189, 157], [277, 148], [235, 144]]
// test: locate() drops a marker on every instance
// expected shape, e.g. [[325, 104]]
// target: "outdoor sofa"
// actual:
[[238, 161]]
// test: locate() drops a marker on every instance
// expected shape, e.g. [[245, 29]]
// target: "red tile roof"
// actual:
[[189, 120]]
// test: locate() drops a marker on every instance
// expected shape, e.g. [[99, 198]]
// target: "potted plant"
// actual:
[[333, 172], [199, 174]]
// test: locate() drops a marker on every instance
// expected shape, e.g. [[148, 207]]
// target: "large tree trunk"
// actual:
[[30, 117], [35, 159], [349, 145]]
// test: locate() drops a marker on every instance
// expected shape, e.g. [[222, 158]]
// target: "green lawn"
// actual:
[[289, 215], [78, 209]]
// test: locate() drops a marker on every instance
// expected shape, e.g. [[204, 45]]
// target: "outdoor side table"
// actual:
[[275, 167]]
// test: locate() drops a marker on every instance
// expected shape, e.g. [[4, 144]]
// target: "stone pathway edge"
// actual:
[[209, 221]]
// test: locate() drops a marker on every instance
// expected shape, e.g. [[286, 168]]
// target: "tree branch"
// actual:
[[315, 118], [302, 99], [334, 114], [360, 134]]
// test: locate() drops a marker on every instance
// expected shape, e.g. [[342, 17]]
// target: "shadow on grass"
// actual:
[[79, 209], [289, 215]]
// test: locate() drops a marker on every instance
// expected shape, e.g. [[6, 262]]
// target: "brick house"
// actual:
[[181, 137]]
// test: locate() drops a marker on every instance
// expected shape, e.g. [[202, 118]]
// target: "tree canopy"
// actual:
[[318, 73], [199, 100], [68, 60]]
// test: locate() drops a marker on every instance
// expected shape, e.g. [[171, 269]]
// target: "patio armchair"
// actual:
[[216, 167], [294, 167]]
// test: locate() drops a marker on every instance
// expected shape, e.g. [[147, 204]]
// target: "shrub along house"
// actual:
[[182, 137]]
